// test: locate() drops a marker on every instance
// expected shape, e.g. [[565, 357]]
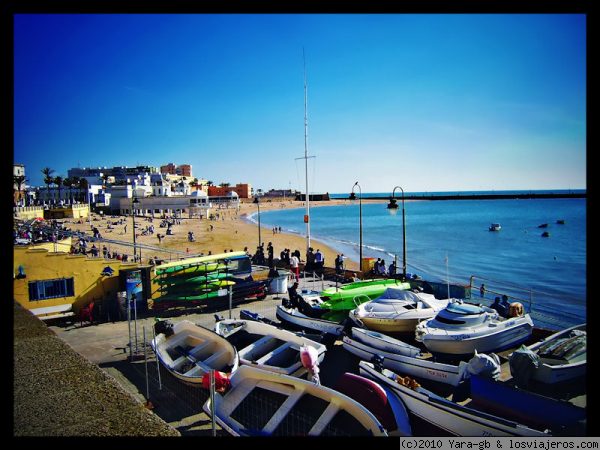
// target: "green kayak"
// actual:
[[199, 269], [180, 298], [196, 288], [349, 296], [190, 278], [202, 262]]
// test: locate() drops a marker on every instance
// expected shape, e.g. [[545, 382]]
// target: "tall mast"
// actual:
[[307, 218]]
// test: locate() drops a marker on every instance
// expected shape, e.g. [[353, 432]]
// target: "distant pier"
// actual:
[[523, 196]]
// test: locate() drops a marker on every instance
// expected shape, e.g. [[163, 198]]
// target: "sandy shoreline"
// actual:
[[231, 231]]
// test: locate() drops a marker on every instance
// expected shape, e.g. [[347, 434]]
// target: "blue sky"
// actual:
[[428, 102]]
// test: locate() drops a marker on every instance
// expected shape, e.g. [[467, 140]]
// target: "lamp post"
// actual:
[[403, 230], [258, 206], [353, 197], [134, 203]]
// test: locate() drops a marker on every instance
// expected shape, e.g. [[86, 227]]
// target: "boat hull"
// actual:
[[388, 325], [407, 365], [270, 348], [443, 414], [463, 342], [552, 372], [293, 317], [283, 400], [192, 351]]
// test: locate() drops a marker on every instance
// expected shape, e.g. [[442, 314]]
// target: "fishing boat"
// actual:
[[397, 310], [402, 357], [495, 227], [448, 416], [188, 351], [267, 346], [263, 403], [293, 318], [562, 355], [461, 328]]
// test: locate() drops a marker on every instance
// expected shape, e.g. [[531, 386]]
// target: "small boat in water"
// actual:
[[495, 227], [263, 403], [267, 346], [448, 416], [397, 310], [461, 328], [188, 351], [562, 355]]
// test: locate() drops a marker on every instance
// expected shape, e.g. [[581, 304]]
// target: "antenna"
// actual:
[[305, 157]]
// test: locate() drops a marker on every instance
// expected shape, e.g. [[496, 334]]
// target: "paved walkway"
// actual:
[[107, 345], [57, 392]]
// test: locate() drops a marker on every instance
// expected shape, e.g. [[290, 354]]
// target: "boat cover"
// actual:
[[523, 363]]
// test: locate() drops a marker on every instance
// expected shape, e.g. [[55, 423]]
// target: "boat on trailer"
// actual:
[[397, 311], [188, 351], [461, 328], [267, 346], [263, 403]]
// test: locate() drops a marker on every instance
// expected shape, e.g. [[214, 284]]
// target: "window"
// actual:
[[46, 289]]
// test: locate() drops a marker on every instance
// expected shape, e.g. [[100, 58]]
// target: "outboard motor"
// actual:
[[377, 361], [163, 326]]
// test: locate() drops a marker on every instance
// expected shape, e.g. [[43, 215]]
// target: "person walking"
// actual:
[[295, 266]]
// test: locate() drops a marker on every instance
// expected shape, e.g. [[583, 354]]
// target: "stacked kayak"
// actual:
[[193, 280]]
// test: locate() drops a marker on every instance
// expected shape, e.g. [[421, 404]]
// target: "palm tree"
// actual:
[[68, 183], [59, 182], [83, 186], [75, 183], [19, 181], [48, 180]]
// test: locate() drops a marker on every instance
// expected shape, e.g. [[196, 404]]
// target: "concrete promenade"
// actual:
[[179, 405], [59, 392]]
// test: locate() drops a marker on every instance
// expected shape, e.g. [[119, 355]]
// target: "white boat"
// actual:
[[562, 355], [191, 351], [271, 348], [495, 227], [453, 418], [263, 403], [419, 365], [295, 318], [384, 342], [461, 328], [397, 310]]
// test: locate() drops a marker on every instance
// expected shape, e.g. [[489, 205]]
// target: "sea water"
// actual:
[[450, 241]]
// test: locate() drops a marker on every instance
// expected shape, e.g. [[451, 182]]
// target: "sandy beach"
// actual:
[[231, 231]]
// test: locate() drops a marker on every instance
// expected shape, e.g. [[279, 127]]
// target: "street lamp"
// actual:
[[393, 201], [134, 203], [353, 197], [258, 206]]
